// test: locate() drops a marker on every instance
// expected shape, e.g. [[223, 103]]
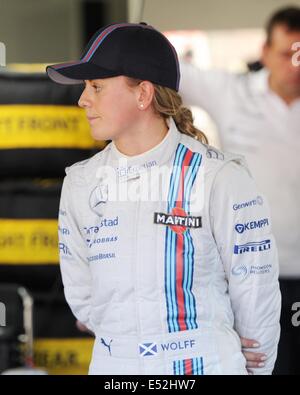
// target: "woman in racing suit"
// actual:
[[165, 243]]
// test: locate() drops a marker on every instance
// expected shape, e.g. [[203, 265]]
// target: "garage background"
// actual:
[[42, 131]]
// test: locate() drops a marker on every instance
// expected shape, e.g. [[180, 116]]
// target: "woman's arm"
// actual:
[[75, 271], [241, 225]]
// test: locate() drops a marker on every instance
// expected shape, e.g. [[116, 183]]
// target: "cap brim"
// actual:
[[77, 72]]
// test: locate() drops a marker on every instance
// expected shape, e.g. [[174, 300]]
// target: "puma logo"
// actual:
[[106, 345]]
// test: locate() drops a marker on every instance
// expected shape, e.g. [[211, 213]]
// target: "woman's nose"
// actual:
[[83, 101]]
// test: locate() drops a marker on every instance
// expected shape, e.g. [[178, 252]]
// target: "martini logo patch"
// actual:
[[178, 220]]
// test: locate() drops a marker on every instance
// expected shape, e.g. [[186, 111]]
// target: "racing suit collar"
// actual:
[[157, 155]]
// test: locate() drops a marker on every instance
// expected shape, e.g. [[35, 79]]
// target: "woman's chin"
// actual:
[[99, 135]]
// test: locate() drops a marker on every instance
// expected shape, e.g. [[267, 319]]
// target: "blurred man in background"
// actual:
[[258, 115]]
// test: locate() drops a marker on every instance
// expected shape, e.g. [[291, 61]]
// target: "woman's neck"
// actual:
[[149, 133]]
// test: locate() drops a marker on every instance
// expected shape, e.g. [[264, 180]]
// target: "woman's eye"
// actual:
[[97, 88]]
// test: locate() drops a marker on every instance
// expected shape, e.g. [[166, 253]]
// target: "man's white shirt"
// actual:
[[255, 122]]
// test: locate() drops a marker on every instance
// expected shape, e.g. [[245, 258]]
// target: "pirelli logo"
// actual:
[[186, 221]]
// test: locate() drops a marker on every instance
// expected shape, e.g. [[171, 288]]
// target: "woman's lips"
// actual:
[[92, 119]]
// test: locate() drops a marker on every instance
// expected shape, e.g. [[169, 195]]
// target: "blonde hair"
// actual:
[[168, 103]]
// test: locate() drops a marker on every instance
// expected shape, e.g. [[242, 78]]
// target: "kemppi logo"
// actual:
[[241, 228], [2, 314], [2, 55]]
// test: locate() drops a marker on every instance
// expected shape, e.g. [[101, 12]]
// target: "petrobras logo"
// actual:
[[178, 220], [151, 348], [255, 246], [253, 269], [101, 240], [257, 201], [100, 257], [106, 222], [241, 228]]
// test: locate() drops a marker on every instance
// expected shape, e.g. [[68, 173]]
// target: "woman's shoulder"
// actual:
[[221, 169], [210, 155], [82, 171]]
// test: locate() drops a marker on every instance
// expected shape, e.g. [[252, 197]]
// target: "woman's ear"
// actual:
[[145, 94]]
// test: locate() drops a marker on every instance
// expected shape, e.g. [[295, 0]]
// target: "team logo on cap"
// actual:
[[178, 220]]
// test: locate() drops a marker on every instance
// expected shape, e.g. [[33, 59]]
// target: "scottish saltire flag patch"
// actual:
[[148, 349]]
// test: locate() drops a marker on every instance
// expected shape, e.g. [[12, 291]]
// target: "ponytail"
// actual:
[[168, 103]]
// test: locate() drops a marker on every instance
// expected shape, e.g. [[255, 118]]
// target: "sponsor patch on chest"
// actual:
[[178, 220]]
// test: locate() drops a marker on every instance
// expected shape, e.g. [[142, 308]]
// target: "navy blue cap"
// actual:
[[133, 50]]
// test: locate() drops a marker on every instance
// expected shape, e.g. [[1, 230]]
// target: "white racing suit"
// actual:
[[169, 282]]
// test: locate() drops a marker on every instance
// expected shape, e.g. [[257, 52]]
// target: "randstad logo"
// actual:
[[106, 222], [240, 228], [2, 314]]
